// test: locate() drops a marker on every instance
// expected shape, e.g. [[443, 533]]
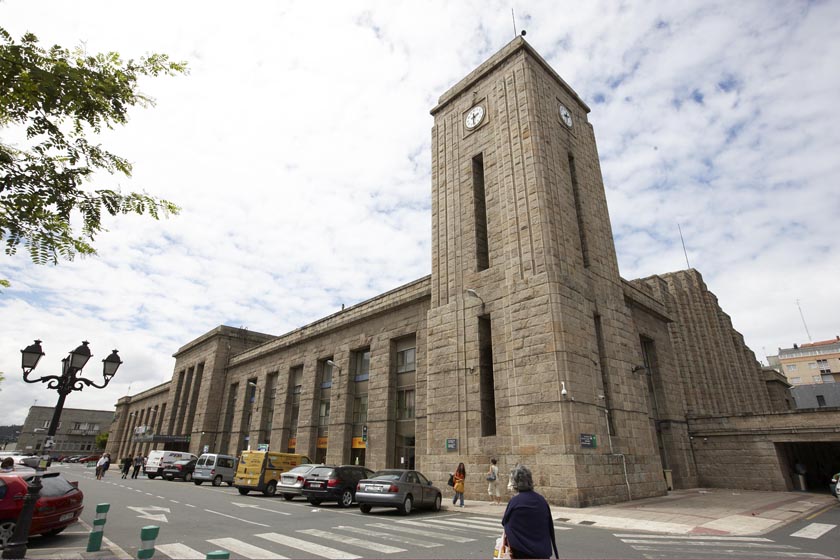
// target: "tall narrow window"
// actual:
[[650, 370], [482, 252], [485, 373], [268, 409], [605, 385], [584, 246], [405, 354], [295, 388], [360, 371]]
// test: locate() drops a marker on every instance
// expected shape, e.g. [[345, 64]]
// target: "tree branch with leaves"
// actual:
[[60, 99]]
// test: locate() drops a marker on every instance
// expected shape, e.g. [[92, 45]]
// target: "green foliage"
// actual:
[[102, 440], [61, 99]]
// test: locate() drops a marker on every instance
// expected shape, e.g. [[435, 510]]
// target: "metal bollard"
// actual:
[[95, 539], [148, 535], [218, 555]]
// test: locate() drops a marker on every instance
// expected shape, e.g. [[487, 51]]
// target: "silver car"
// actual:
[[397, 488], [291, 481]]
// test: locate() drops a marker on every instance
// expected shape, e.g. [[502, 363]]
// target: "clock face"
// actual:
[[474, 117], [566, 115]]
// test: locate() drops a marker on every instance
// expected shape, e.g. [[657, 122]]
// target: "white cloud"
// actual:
[[299, 149]]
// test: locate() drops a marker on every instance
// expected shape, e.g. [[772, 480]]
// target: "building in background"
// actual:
[[524, 344], [76, 434], [811, 363]]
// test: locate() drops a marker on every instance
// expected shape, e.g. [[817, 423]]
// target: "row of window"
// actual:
[[83, 426], [823, 378]]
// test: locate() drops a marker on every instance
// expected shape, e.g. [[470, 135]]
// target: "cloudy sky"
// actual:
[[299, 149]]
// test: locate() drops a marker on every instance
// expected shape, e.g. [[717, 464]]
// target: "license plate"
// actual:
[[66, 516], [315, 484], [374, 489]]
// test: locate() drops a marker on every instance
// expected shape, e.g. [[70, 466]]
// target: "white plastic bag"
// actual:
[[502, 550]]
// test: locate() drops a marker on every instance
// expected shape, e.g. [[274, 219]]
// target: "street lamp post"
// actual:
[[66, 383]]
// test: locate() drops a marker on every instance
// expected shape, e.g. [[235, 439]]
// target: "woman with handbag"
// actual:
[[458, 477], [493, 483]]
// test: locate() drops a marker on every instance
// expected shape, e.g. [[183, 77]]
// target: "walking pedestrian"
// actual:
[[529, 527], [126, 466], [493, 483], [138, 462], [459, 476]]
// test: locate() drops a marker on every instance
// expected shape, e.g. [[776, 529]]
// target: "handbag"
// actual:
[[451, 481], [502, 549], [491, 477]]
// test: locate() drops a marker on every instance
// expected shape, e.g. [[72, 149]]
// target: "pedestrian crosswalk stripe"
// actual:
[[421, 533], [672, 552], [383, 548], [178, 551], [692, 538], [381, 535], [735, 544], [245, 550], [495, 523], [813, 531], [306, 546], [464, 525]]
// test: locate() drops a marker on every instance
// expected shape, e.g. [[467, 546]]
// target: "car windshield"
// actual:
[[387, 475], [182, 463], [322, 471], [201, 461], [303, 469]]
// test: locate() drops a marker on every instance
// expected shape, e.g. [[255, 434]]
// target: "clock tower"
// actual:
[[531, 347]]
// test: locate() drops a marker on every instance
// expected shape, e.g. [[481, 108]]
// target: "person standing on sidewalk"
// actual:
[[493, 483], [459, 476], [529, 527]]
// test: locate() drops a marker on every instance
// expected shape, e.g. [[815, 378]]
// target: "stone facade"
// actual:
[[524, 344], [76, 433]]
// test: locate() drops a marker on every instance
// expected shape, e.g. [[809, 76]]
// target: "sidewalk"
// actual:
[[711, 511]]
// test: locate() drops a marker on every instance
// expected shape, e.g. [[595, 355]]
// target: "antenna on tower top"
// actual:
[[803, 321], [513, 17], [687, 265]]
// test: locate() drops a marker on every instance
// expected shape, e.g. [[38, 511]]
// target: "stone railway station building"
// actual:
[[524, 344]]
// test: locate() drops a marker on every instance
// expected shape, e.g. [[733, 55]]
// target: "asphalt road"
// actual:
[[194, 520]]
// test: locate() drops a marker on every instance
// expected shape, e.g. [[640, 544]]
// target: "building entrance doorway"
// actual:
[[809, 466]]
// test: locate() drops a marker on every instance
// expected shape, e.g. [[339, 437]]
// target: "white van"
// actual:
[[159, 459], [215, 468]]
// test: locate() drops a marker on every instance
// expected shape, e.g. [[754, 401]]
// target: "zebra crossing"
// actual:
[[382, 539], [711, 546]]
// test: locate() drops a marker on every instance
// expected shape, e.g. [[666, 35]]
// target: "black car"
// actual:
[[334, 484], [180, 469]]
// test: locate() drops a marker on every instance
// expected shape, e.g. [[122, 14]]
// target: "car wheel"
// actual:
[[288, 497], [7, 529], [188, 477], [151, 476], [346, 498], [217, 480], [314, 502], [438, 499], [406, 506], [230, 483], [365, 508], [243, 491], [271, 489], [197, 482]]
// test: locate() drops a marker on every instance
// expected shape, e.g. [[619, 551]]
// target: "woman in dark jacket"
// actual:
[[527, 521]]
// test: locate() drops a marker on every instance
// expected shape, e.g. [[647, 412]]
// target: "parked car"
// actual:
[[397, 488], [334, 484], [182, 469], [291, 482], [59, 503], [159, 459], [261, 470], [215, 468], [89, 459]]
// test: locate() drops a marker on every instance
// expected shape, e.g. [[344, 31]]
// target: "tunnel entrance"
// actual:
[[817, 461]]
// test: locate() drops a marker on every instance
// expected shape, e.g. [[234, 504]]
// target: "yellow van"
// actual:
[[261, 470]]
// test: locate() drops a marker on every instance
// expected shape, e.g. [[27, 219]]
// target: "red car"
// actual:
[[59, 504]]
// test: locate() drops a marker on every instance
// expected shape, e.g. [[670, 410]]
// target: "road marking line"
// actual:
[[237, 518], [239, 548], [421, 533], [178, 551], [189, 505], [690, 538], [667, 552], [380, 535], [175, 501], [711, 543], [814, 530], [383, 548], [463, 525], [312, 548], [121, 554], [820, 512]]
